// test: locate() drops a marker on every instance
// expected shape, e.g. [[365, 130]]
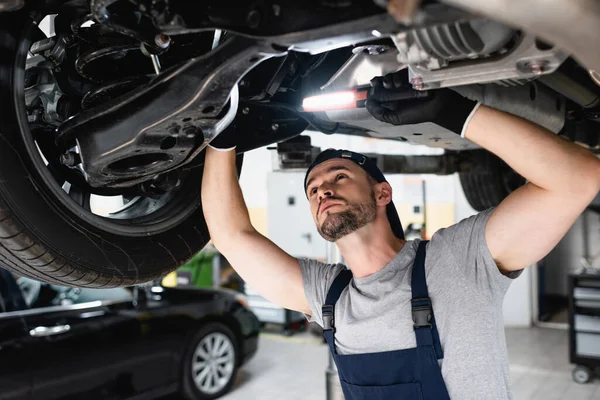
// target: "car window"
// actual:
[[38, 294]]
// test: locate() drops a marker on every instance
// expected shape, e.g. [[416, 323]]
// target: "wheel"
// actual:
[[50, 226], [489, 181], [210, 363], [582, 374]]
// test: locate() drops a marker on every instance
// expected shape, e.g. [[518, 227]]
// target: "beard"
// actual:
[[338, 225]]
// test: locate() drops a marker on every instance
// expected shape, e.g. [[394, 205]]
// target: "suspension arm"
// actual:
[[155, 128]]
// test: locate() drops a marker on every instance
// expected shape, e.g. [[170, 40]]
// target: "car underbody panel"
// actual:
[[258, 61]]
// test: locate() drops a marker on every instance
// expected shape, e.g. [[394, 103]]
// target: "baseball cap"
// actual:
[[371, 168]]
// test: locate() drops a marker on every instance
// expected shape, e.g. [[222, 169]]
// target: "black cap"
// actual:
[[371, 167]]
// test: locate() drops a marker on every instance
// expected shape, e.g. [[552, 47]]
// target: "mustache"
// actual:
[[334, 198]]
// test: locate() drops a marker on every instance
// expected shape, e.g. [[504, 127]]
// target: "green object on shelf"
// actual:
[[201, 270]]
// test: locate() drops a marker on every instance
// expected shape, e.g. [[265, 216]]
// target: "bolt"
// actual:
[[374, 50], [275, 127], [276, 10], [253, 19], [536, 68], [245, 111], [417, 83], [190, 130], [69, 159], [103, 15], [162, 41]]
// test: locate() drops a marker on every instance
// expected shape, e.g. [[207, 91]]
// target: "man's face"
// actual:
[[341, 198]]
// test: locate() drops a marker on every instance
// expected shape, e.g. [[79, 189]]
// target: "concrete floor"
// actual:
[[294, 368]]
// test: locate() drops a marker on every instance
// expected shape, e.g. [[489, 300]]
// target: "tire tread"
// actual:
[[38, 262], [483, 185]]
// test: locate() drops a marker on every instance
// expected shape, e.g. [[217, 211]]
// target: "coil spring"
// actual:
[[109, 59]]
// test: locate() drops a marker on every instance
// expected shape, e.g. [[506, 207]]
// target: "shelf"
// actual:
[[587, 293], [587, 344], [587, 323], [586, 310], [588, 282], [587, 332]]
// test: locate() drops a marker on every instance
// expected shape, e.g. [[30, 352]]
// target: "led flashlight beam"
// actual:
[[335, 101]]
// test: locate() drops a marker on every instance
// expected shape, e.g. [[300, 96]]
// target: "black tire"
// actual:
[[489, 181], [188, 388], [43, 236]]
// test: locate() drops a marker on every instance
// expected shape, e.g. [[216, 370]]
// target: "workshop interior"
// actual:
[[110, 286]]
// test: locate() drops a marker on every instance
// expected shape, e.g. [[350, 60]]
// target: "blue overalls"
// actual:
[[411, 374]]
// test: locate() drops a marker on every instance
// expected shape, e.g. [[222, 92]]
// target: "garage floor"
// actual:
[[294, 368]]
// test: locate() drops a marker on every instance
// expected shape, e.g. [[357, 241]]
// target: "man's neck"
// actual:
[[369, 250]]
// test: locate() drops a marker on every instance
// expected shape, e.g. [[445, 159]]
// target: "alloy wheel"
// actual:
[[213, 363]]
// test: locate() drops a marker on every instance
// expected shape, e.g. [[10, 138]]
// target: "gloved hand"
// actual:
[[228, 139], [444, 107], [225, 141]]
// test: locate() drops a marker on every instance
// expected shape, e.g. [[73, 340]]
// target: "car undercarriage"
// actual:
[[130, 126], [122, 96]]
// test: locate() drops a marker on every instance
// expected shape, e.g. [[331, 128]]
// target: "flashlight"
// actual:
[[342, 100], [356, 98]]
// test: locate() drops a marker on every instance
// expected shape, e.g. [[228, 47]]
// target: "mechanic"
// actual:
[[378, 315]]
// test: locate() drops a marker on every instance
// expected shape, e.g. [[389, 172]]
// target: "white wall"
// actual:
[[253, 180]]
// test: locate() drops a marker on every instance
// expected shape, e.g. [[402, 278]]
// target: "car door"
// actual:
[[15, 376], [89, 343]]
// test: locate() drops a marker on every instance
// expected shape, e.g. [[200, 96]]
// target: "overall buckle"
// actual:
[[327, 313], [421, 312]]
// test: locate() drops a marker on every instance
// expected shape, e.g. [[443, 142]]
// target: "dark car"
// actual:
[[70, 343]]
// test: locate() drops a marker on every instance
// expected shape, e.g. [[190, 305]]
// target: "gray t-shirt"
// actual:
[[466, 289]]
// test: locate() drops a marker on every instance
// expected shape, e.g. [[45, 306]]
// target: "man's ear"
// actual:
[[383, 193]]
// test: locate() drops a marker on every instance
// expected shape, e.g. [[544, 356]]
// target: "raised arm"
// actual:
[[563, 179], [265, 267]]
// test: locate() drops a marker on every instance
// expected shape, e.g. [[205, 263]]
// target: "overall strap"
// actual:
[[335, 290], [422, 311]]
